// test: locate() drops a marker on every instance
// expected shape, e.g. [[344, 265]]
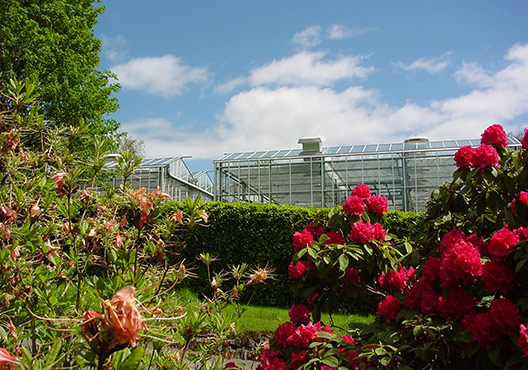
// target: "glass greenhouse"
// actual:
[[406, 173], [171, 175]]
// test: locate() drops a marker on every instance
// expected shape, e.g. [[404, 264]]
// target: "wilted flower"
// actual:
[[6, 360], [34, 211], [178, 217], [260, 275], [204, 216], [58, 179]]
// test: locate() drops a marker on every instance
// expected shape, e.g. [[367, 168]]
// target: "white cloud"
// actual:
[[431, 65], [339, 31], [308, 38], [165, 75], [114, 48], [309, 68], [230, 85], [264, 117]]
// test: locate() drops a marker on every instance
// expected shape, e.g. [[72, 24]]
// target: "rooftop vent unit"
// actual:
[[311, 144], [416, 140]]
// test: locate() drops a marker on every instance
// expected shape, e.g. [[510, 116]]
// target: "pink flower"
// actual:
[[522, 233], [496, 276], [431, 269], [299, 314], [415, 294], [450, 239], [315, 231], [463, 156], [302, 240], [377, 204], [460, 265], [485, 156], [335, 237], [506, 315], [361, 191], [396, 280], [298, 358], [354, 205], [502, 241], [362, 232], [430, 299], [389, 308], [6, 360], [524, 142], [523, 197], [495, 135], [312, 297], [352, 275], [456, 304], [283, 332], [522, 342], [304, 335], [379, 232], [296, 271], [479, 244], [484, 330]]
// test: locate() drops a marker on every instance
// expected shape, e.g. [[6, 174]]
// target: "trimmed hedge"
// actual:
[[259, 235]]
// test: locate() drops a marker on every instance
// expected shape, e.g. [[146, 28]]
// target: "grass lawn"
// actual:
[[266, 319]]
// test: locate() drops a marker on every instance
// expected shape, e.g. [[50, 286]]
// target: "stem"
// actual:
[[151, 358]]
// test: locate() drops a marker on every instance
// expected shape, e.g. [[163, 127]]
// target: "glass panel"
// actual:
[[423, 145], [450, 143], [371, 148], [383, 147], [463, 142], [410, 146], [270, 154], [283, 153], [475, 142], [344, 149], [357, 149], [332, 150], [256, 155], [437, 144], [397, 146]]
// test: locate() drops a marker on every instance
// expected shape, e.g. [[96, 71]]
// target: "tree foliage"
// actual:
[[52, 41]]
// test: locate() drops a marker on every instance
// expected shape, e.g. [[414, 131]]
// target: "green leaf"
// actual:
[[51, 356], [331, 361], [133, 360], [343, 262]]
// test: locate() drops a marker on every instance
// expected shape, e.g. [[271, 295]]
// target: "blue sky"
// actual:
[[202, 78]]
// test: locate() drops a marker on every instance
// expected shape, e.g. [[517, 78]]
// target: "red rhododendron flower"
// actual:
[[497, 276], [389, 308], [484, 330], [396, 280], [299, 314], [335, 237], [449, 240], [522, 233], [523, 197], [463, 156], [298, 358], [379, 232], [502, 241], [494, 135], [315, 231], [456, 304], [354, 205], [377, 204], [362, 232], [485, 156], [431, 269], [522, 342], [304, 335], [414, 294], [430, 299], [460, 265], [269, 360], [361, 191], [312, 297], [352, 275], [506, 315], [302, 240], [524, 142], [296, 271], [283, 332], [479, 243], [231, 366]]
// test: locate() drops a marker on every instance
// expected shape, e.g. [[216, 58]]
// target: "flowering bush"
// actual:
[[460, 302]]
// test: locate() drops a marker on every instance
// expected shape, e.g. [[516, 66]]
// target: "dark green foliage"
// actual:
[[261, 234], [403, 224]]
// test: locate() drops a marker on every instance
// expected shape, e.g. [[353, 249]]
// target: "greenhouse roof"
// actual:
[[151, 162], [356, 149]]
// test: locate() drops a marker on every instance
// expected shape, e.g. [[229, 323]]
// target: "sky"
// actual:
[[204, 78]]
